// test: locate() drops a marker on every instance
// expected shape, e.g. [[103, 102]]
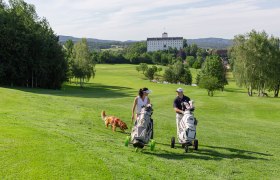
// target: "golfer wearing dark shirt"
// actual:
[[179, 106]]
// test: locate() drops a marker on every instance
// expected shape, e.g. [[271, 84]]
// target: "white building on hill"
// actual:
[[163, 43]]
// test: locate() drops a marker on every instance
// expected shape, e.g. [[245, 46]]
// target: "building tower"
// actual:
[[164, 35]]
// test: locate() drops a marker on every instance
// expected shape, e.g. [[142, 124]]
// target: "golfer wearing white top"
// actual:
[[141, 100]]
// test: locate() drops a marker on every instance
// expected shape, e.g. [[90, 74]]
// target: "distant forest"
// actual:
[[96, 44]]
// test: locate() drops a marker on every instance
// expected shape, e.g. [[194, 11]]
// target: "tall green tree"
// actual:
[[143, 67], [209, 83], [156, 57], [68, 47], [83, 68], [198, 62], [177, 73], [274, 67], [150, 73], [134, 53], [213, 67], [193, 50], [255, 62], [29, 50], [190, 60]]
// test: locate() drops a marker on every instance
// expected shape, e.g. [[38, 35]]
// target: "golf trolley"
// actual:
[[142, 131], [187, 129]]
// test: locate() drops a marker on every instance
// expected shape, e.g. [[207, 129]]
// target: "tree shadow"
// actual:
[[118, 131], [239, 151], [90, 90], [209, 153], [164, 144], [234, 90]]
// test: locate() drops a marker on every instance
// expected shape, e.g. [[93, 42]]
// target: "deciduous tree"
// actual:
[[83, 68]]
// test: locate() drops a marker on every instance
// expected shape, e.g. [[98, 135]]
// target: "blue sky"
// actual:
[[139, 19]]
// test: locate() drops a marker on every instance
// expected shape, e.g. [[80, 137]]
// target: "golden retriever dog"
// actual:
[[113, 121]]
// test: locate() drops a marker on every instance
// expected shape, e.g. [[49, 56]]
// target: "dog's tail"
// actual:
[[103, 115]]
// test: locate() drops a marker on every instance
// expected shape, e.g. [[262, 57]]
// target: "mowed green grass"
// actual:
[[58, 134]]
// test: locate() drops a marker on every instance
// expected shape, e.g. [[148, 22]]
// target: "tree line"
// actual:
[[255, 58], [30, 54], [211, 77], [136, 53]]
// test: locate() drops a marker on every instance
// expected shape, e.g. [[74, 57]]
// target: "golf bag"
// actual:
[[142, 131], [187, 125]]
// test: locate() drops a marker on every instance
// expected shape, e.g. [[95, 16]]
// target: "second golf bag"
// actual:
[[187, 125]]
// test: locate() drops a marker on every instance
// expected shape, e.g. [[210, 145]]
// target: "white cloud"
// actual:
[[137, 20]]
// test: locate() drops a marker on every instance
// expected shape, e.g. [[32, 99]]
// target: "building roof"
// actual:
[[166, 38]]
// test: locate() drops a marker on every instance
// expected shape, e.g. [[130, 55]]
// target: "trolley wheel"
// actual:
[[152, 128], [172, 142], [195, 144], [139, 144], [186, 148]]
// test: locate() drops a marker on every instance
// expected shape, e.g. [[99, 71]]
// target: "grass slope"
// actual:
[[59, 134]]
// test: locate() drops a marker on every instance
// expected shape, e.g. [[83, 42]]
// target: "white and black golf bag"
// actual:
[[187, 125], [142, 131]]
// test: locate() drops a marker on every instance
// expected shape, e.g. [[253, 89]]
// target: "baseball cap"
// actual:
[[179, 90]]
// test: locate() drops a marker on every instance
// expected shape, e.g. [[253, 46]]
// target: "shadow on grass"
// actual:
[[210, 153], [235, 90], [165, 144], [90, 90]]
